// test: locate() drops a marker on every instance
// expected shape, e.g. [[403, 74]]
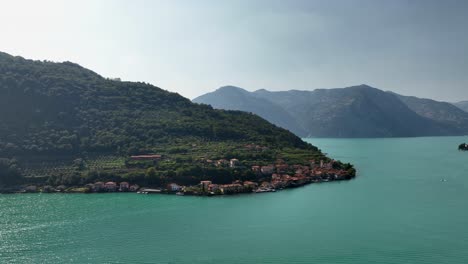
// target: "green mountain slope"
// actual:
[[60, 119], [64, 108]]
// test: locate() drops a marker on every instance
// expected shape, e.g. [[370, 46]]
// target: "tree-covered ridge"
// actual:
[[63, 108], [63, 124]]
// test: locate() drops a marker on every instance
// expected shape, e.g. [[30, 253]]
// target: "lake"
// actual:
[[397, 210]]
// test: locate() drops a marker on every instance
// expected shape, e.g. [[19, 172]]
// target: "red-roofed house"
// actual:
[[110, 186]]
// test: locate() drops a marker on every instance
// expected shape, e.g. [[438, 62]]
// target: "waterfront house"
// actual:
[[99, 186], [110, 186], [124, 186], [232, 188], [204, 185], [250, 185], [265, 184]]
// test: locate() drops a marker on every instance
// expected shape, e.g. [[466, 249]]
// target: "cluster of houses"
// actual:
[[277, 176], [272, 177], [285, 176], [210, 188]]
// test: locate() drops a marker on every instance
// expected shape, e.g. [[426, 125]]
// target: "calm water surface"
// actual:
[[396, 211]]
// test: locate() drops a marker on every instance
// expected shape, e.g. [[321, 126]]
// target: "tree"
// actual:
[[151, 176]]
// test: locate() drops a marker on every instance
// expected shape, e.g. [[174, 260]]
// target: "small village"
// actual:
[[272, 177]]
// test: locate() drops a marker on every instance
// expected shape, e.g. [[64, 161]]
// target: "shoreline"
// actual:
[[266, 178], [158, 190]]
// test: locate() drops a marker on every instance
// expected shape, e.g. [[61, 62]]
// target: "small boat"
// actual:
[[180, 193], [443, 180], [264, 190]]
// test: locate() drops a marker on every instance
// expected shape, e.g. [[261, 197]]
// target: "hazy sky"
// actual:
[[194, 46]]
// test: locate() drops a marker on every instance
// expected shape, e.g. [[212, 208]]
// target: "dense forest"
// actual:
[[63, 108], [52, 111]]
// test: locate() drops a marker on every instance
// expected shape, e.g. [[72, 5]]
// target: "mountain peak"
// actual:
[[231, 88], [363, 86], [261, 91]]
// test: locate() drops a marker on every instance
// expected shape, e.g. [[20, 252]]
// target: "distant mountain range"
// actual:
[[357, 111]]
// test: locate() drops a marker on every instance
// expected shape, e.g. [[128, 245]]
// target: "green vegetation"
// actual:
[[64, 124], [9, 173]]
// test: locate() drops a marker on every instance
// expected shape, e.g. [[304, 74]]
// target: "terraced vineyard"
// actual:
[[40, 167], [108, 162]]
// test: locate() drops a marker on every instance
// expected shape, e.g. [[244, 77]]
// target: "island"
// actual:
[[228, 177], [66, 129], [463, 147]]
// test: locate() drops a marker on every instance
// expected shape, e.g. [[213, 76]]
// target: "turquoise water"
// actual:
[[396, 211]]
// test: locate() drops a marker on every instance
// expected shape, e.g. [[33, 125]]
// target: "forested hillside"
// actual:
[[63, 108], [60, 119]]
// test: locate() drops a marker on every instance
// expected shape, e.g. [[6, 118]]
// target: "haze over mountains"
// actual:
[[357, 111], [462, 105]]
